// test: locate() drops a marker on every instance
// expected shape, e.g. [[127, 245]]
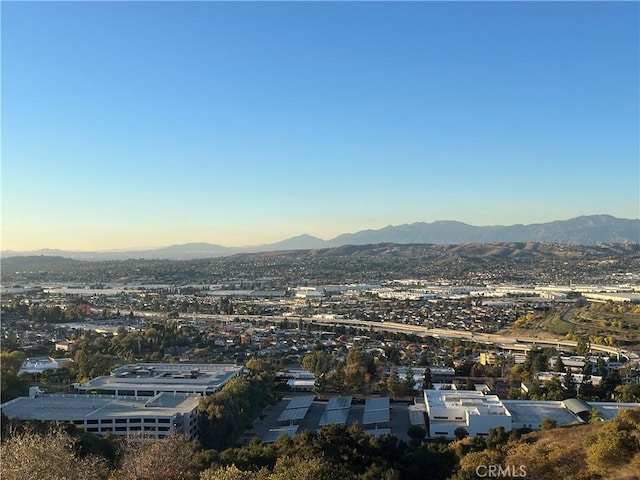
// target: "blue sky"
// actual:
[[142, 124]]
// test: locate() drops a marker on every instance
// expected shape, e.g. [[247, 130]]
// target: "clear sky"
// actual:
[[144, 124]]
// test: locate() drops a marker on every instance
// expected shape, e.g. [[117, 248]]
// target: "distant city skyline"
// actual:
[[144, 124]]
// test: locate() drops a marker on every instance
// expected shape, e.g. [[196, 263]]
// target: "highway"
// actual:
[[505, 342]]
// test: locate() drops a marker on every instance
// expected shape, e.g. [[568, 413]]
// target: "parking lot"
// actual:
[[399, 421]]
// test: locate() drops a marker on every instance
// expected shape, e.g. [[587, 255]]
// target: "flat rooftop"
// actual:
[[65, 407], [176, 368], [533, 412], [476, 403], [610, 409], [200, 377]]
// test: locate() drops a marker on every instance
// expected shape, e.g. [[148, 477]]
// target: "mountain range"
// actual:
[[584, 230]]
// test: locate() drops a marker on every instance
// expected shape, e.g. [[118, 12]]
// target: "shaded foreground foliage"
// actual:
[[335, 452], [224, 416], [607, 450]]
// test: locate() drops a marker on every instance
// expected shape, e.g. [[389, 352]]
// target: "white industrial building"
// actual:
[[152, 417], [477, 413], [37, 365], [150, 379], [472, 410]]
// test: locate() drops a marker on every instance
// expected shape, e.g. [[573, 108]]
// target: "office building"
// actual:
[[153, 417], [150, 379]]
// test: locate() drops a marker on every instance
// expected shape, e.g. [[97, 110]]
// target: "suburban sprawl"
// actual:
[[440, 359]]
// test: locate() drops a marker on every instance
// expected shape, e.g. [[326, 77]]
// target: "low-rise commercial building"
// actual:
[[472, 410], [152, 417], [477, 413], [150, 379]]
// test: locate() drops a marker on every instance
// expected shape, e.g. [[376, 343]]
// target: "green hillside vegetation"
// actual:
[[606, 323], [603, 450]]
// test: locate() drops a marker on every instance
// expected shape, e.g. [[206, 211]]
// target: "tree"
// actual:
[[554, 388], [171, 458], [288, 467], [224, 415], [629, 393], [536, 361], [409, 381], [460, 433], [613, 447], [469, 463], [595, 416], [230, 472], [358, 363], [90, 363], [335, 379], [546, 460], [559, 365], [601, 368], [416, 433], [496, 437], [570, 385], [29, 455], [427, 383], [12, 385], [628, 419], [582, 347], [318, 362], [393, 382]]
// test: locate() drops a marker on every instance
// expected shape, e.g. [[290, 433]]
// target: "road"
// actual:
[[505, 342]]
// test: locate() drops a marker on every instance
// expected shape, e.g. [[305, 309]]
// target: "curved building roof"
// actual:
[[579, 408]]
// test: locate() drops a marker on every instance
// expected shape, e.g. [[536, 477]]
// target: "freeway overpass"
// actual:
[[505, 342]]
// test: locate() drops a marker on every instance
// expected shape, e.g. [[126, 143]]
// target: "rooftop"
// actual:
[[64, 407], [608, 410], [206, 378], [533, 412], [476, 403]]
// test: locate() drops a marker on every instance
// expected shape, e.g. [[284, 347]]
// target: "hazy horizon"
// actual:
[[135, 125], [248, 245]]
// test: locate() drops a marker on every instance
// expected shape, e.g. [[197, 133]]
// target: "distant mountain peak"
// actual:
[[583, 230]]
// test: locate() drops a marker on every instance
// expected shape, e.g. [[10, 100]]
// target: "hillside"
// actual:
[[511, 261], [606, 450], [586, 230]]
